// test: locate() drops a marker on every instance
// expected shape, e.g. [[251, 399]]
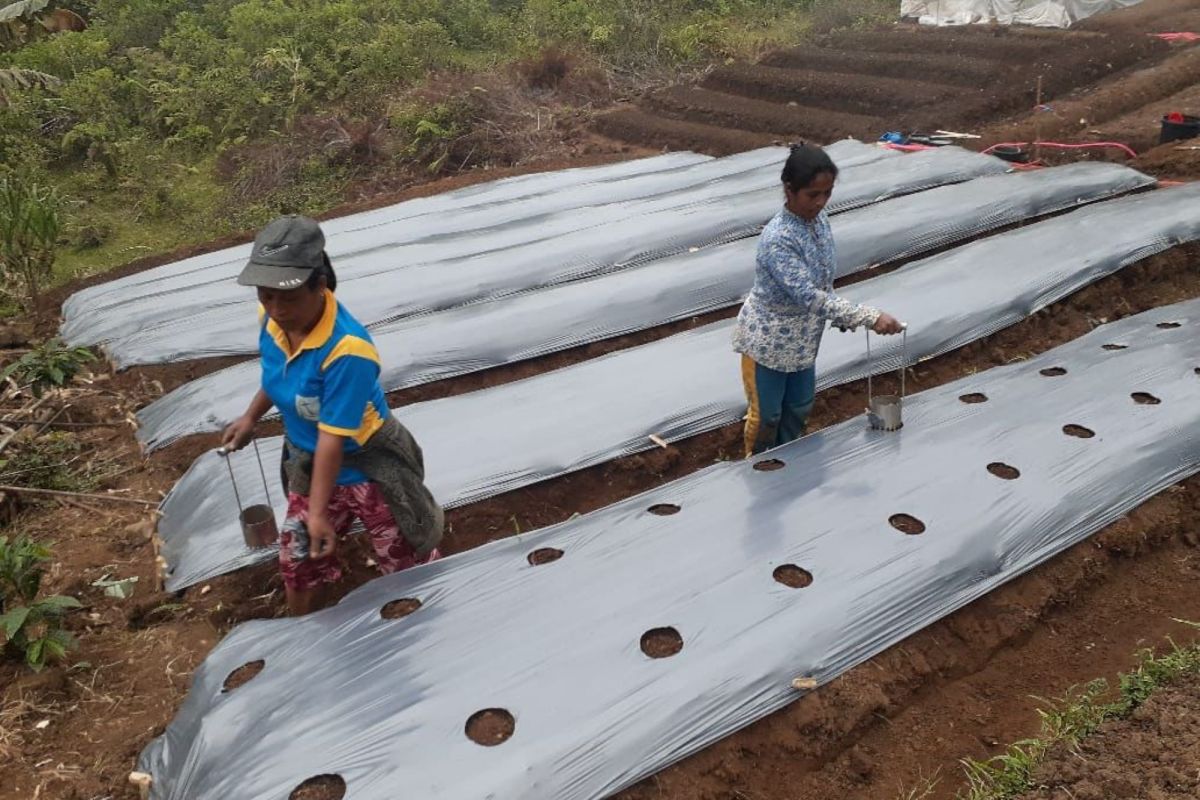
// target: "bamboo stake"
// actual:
[[142, 781], [57, 493], [1037, 123]]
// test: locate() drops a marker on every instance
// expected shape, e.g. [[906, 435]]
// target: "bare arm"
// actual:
[[241, 430], [327, 462]]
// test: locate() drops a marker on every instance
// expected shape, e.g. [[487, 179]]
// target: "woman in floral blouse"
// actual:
[[780, 325]]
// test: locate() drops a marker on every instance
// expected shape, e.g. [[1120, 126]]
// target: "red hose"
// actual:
[[908, 148], [1128, 150]]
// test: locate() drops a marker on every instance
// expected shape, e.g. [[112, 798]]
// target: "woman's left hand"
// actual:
[[322, 539]]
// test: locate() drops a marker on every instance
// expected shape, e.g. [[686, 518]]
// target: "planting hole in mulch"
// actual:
[[792, 576], [491, 727], [544, 555], [1145, 399], [1078, 431], [243, 675], [907, 524], [661, 642], [322, 787], [1115, 346], [399, 609], [769, 465], [973, 398], [1054, 372], [1004, 471], [1166, 326], [664, 509]]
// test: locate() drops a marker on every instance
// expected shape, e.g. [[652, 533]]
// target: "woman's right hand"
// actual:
[[887, 325], [238, 434]]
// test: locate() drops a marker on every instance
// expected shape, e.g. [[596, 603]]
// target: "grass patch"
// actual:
[[175, 123], [1071, 719]]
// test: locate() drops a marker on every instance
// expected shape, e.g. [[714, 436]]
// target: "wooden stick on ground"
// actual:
[[1037, 123], [56, 493], [142, 781]]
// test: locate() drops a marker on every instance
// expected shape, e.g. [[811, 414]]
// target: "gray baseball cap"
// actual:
[[285, 254]]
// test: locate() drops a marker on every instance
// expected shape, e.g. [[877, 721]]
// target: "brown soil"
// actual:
[[1127, 110], [960, 70], [907, 524], [907, 77], [399, 609], [243, 675], [959, 688], [779, 120], [490, 727], [1174, 160], [651, 130], [879, 97], [792, 576], [1152, 16], [322, 787], [662, 642], [544, 555], [1078, 431], [1004, 471], [769, 465], [1155, 754]]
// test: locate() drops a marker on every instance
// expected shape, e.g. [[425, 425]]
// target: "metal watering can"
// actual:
[[258, 521], [884, 413]]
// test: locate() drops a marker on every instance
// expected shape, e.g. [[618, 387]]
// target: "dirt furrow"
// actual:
[[837, 92], [783, 121]]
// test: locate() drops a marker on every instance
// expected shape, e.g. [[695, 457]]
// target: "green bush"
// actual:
[[31, 626], [153, 90], [30, 223], [50, 364]]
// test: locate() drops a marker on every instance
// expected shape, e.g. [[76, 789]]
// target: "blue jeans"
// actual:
[[779, 404]]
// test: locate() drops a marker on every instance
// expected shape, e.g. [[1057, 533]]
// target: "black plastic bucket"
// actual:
[[1174, 131], [1011, 153]]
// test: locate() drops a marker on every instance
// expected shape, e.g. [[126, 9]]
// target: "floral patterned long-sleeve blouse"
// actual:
[[781, 323]]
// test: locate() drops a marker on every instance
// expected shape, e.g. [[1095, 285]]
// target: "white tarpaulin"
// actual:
[[1044, 13]]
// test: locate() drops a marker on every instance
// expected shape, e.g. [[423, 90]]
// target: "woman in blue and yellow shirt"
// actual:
[[780, 325], [321, 370]]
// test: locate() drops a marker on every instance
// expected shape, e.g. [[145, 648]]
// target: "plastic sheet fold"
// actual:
[[453, 252], [385, 703], [481, 444], [480, 336], [450, 270], [94, 315]]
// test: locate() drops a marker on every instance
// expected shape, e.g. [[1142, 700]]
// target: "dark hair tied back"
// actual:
[[325, 269], [804, 163]]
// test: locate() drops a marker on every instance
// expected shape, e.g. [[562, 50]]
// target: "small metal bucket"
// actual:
[[884, 413], [259, 528]]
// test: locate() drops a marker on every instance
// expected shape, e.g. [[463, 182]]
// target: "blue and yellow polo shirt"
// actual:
[[331, 383]]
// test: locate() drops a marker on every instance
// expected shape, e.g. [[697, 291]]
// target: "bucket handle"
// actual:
[[224, 453], [903, 361]]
